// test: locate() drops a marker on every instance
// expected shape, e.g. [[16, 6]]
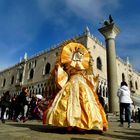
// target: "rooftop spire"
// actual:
[[20, 59], [127, 61], [25, 56], [87, 31]]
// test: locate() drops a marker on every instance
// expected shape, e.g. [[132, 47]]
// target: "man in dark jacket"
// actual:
[[21, 101], [5, 103]]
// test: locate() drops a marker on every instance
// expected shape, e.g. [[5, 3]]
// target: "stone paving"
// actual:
[[34, 130]]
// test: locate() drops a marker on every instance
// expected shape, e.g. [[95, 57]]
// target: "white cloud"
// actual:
[[85, 9], [91, 9], [20, 22]]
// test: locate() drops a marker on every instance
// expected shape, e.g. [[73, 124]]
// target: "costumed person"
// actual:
[[76, 104], [41, 105], [37, 110]]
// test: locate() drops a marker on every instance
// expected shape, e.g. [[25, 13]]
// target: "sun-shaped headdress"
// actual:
[[75, 55]]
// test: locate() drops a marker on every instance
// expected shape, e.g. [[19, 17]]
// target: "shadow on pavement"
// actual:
[[53, 129], [80, 139], [126, 135]]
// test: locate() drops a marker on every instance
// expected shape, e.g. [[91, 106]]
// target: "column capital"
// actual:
[[109, 31]]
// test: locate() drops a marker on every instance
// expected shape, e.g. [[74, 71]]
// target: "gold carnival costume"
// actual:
[[76, 104]]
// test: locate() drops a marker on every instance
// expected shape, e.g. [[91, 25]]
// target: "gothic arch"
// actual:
[[106, 92], [131, 84], [31, 74], [99, 63], [136, 85], [12, 80], [20, 77], [4, 82], [100, 88], [123, 77], [43, 91], [47, 68]]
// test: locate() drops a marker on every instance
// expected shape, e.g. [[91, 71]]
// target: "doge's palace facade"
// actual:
[[34, 72]]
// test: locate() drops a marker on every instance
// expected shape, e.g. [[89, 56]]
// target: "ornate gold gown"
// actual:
[[76, 104]]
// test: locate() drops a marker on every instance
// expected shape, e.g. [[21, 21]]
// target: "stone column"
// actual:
[[109, 32]]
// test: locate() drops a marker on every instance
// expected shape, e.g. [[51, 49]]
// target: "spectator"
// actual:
[[139, 115], [33, 105], [125, 102], [12, 107], [5, 103], [21, 103]]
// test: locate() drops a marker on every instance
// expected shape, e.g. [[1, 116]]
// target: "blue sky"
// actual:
[[34, 25]]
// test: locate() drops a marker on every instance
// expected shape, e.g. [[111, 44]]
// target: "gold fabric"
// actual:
[[76, 104], [75, 55], [61, 76]]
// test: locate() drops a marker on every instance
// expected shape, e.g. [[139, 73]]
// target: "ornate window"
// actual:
[[43, 91], [123, 77], [4, 82], [35, 62], [131, 84], [99, 63], [20, 77], [31, 74], [47, 68], [12, 80], [136, 85], [30, 65], [56, 53], [103, 91], [106, 93]]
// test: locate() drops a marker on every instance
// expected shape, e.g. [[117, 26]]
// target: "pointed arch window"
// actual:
[[123, 77], [103, 91], [31, 75], [4, 82], [131, 84], [99, 63], [20, 77], [106, 93], [136, 85], [43, 91], [12, 80], [47, 68]]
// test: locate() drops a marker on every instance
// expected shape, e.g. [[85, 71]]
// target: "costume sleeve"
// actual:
[[61, 77]]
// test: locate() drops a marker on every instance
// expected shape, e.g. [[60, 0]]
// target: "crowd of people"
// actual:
[[20, 107], [23, 107]]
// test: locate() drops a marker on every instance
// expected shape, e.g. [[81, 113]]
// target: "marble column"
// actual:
[[109, 32]]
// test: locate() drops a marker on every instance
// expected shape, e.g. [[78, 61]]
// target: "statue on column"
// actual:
[[109, 21]]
